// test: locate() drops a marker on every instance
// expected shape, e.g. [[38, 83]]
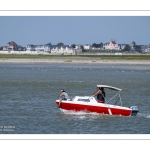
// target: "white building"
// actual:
[[87, 46], [30, 47], [44, 48], [62, 49], [38, 48]]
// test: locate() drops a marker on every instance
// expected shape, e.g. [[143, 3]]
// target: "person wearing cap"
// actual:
[[100, 95], [64, 96]]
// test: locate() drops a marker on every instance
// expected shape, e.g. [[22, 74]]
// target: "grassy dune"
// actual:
[[98, 57]]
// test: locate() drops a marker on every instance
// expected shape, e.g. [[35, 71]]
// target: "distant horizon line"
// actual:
[[74, 10]]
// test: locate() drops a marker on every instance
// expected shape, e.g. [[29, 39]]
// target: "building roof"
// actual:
[[12, 43]]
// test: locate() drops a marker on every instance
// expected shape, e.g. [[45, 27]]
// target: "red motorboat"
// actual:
[[89, 104]]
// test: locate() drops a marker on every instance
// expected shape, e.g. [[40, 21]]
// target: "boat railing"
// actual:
[[119, 98]]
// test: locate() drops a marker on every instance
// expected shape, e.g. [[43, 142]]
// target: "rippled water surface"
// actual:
[[28, 93]]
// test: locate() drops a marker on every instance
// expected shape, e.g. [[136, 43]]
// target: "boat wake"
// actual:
[[72, 112], [145, 115], [85, 114]]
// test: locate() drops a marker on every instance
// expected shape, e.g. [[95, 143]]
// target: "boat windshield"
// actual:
[[84, 100]]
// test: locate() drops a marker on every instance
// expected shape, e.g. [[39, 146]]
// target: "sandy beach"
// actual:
[[71, 61]]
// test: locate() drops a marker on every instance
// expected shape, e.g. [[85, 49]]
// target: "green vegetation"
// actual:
[[68, 60], [69, 57], [97, 45], [127, 48], [60, 44]]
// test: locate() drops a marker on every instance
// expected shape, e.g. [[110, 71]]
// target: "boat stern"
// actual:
[[135, 110]]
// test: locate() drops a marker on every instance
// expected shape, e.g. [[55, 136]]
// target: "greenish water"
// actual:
[[28, 93]]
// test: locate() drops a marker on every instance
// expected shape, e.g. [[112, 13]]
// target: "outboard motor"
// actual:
[[135, 110]]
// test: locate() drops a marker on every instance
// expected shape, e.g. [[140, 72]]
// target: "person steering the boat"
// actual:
[[100, 93], [64, 96]]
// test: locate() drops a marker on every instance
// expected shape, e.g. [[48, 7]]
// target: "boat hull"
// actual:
[[97, 108]]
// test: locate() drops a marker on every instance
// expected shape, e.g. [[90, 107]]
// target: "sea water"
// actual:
[[28, 94]]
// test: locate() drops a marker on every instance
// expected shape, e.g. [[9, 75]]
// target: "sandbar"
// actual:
[[70, 61]]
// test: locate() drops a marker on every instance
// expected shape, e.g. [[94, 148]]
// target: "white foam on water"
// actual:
[[85, 114], [78, 112], [143, 115]]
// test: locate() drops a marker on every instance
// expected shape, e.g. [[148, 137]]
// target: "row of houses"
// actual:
[[47, 48], [112, 45], [12, 46], [53, 48]]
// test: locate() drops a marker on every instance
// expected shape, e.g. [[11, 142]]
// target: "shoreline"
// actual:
[[70, 61]]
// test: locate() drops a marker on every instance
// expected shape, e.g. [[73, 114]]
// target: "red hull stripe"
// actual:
[[97, 109]]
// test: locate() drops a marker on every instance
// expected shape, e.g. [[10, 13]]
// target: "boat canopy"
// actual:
[[109, 87]]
